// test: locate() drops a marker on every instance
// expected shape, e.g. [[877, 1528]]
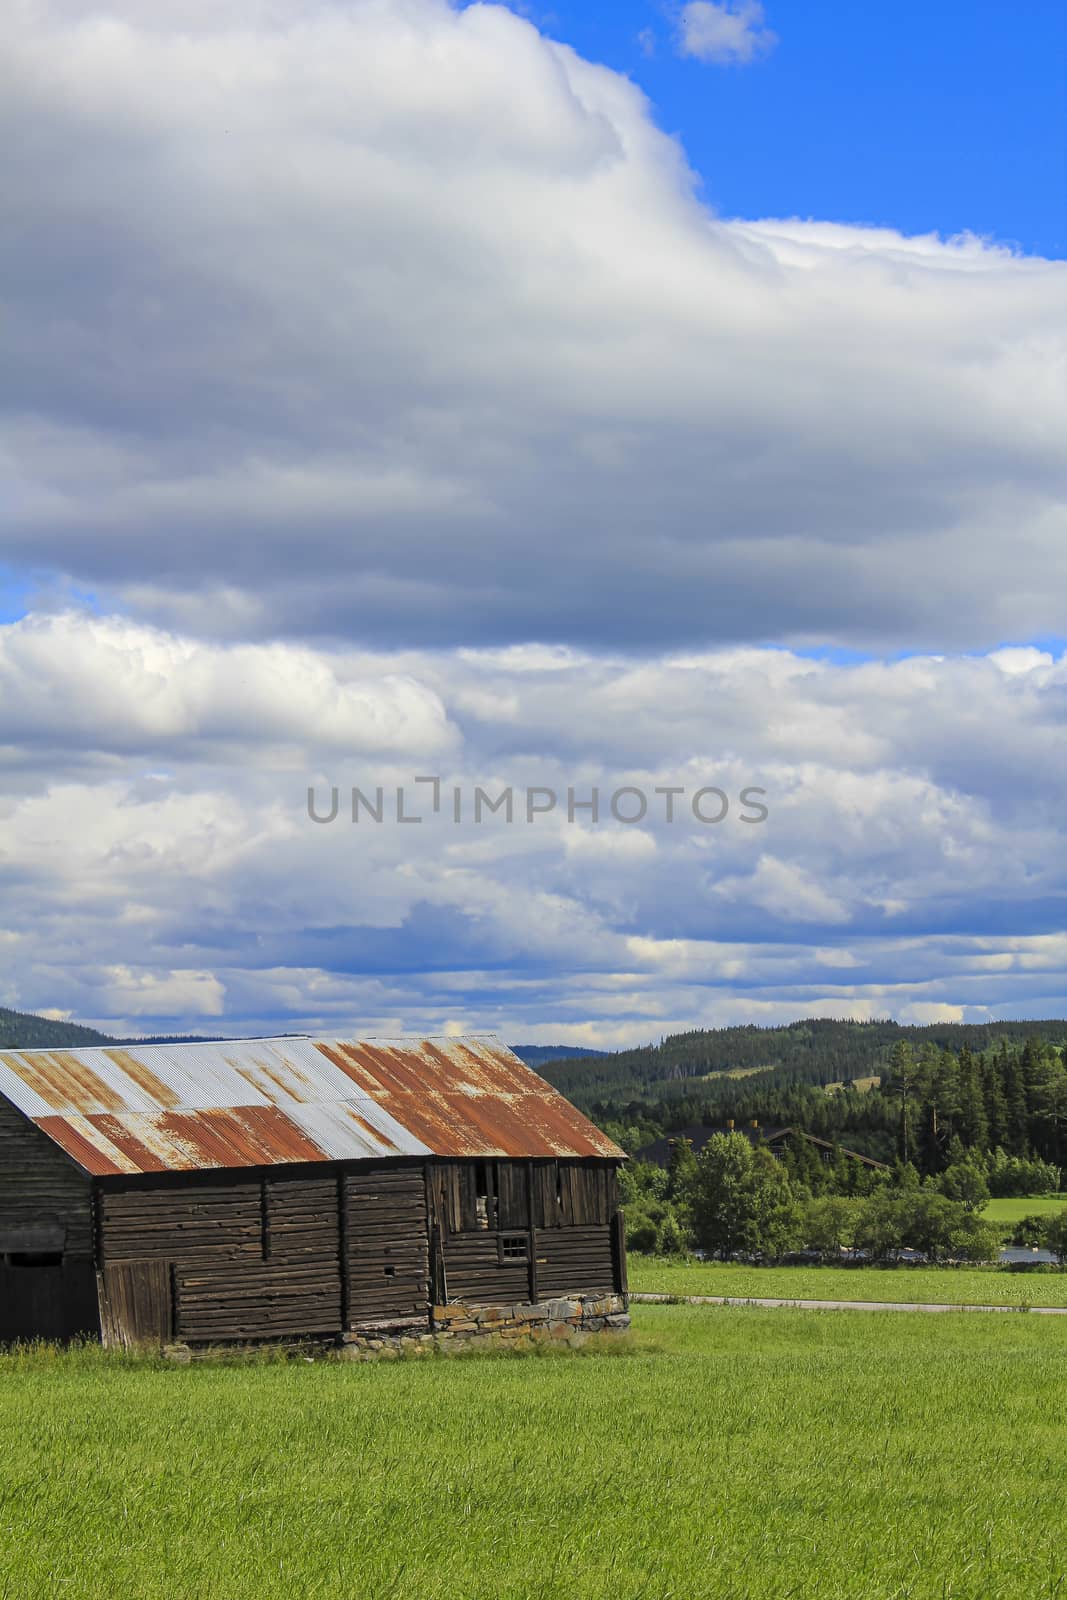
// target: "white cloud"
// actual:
[[912, 857], [924, 1014], [731, 32], [403, 322], [180, 993], [63, 677], [421, 418], [787, 891]]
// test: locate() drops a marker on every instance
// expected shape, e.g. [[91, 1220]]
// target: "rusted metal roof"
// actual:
[[270, 1102]]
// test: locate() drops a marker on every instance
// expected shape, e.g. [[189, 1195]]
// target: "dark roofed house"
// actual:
[[773, 1139], [286, 1188]]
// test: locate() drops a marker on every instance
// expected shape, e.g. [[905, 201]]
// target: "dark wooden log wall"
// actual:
[[45, 1200], [565, 1209], [290, 1286], [474, 1271], [220, 1218], [319, 1251], [47, 1283], [386, 1246], [574, 1259], [247, 1258]]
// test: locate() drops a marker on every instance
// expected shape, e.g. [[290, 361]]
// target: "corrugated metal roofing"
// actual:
[[269, 1102]]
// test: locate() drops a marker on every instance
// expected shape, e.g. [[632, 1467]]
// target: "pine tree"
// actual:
[[1016, 1119], [973, 1123], [902, 1083], [996, 1110]]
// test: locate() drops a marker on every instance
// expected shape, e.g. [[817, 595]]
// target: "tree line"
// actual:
[[738, 1199], [816, 1050], [1008, 1104]]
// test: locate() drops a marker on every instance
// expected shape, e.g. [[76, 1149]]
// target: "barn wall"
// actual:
[[320, 1251], [575, 1260], [385, 1246], [564, 1209], [45, 1200], [246, 1257], [47, 1285], [274, 1254]]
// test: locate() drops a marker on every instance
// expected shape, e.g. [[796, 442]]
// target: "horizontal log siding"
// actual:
[[387, 1252], [300, 1220], [290, 1284], [264, 1302], [197, 1222], [348, 1247], [38, 1183], [575, 1261], [475, 1273]]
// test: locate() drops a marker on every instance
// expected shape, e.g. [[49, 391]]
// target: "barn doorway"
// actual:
[[46, 1295]]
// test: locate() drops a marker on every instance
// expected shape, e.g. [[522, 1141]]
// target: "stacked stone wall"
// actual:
[[564, 1321]]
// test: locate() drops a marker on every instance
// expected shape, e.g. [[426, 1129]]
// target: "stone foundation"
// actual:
[[569, 1322]]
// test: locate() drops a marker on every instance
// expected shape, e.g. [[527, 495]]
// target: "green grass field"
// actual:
[[733, 1453], [956, 1285], [1014, 1210]]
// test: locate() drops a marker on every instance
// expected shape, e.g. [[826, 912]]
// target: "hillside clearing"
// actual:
[[1013, 1210]]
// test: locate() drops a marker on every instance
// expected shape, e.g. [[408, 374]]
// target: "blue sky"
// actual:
[[944, 117], [378, 399]]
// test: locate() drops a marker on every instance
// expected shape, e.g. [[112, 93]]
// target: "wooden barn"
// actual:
[[287, 1188]]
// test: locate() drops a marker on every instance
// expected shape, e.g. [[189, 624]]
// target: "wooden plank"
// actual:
[[135, 1304], [387, 1244], [343, 1251], [531, 1231], [618, 1250]]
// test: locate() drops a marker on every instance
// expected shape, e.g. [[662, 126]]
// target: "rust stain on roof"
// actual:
[[376, 1135], [468, 1098], [146, 1080], [59, 1077], [249, 1136], [281, 1075], [270, 1102], [81, 1148]]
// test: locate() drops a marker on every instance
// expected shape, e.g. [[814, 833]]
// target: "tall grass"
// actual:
[[735, 1453]]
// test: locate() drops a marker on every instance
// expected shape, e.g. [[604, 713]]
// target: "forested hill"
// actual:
[[536, 1055], [814, 1051], [19, 1030]]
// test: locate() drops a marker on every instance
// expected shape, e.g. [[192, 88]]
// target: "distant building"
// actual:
[[773, 1139], [278, 1188]]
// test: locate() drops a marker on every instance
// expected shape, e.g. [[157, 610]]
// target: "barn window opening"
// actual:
[[514, 1247], [35, 1258], [390, 1272], [483, 1199]]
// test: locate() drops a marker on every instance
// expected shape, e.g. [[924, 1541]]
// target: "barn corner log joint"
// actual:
[[292, 1188]]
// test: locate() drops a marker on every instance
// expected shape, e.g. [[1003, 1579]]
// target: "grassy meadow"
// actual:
[[926, 1285], [1014, 1210], [727, 1452]]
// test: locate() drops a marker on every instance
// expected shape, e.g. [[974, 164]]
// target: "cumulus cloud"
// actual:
[[160, 871], [731, 32], [380, 373], [69, 680], [394, 322]]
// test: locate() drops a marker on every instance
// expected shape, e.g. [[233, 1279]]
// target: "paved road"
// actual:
[[835, 1305]]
